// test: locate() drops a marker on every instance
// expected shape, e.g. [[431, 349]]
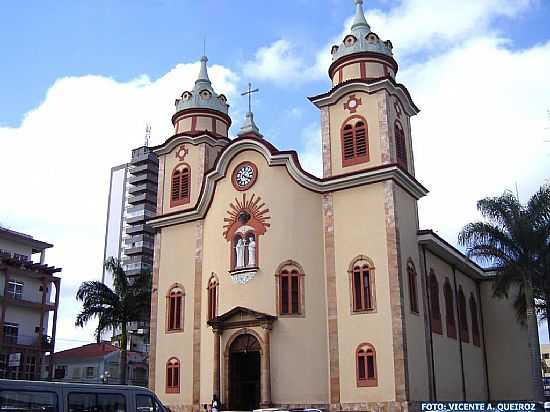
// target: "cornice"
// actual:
[[289, 160], [370, 87], [178, 139]]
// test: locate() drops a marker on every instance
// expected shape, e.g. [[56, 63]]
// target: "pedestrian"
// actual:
[[215, 404], [206, 407]]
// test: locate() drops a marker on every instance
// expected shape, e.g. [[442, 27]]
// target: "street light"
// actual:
[[105, 377]]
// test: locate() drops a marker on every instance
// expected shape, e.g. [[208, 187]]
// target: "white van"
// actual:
[[30, 396]]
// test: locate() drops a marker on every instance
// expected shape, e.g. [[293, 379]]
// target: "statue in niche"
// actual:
[[239, 248], [251, 252]]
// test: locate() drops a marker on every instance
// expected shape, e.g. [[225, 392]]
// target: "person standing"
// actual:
[[215, 404]]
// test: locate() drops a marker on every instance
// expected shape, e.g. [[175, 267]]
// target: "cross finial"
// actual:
[[249, 93]]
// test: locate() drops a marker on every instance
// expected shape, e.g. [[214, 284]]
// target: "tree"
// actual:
[[512, 239], [128, 301]]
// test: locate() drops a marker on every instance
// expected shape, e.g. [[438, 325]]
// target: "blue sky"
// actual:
[[79, 80]]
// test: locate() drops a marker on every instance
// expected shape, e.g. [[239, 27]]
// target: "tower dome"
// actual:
[[362, 54], [202, 109]]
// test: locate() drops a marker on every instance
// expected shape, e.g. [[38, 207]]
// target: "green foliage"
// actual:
[[515, 239], [128, 301]]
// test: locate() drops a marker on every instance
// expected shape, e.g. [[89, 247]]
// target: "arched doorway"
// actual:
[[244, 373]]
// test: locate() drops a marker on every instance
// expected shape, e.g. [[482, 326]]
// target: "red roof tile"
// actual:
[[92, 350]]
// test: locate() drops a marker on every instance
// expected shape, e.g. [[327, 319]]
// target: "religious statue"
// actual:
[[252, 253], [239, 248]]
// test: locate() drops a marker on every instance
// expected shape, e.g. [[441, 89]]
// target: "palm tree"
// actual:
[[128, 301], [511, 238]]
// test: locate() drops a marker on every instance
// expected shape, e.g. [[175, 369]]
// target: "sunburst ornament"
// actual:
[[182, 152], [246, 213]]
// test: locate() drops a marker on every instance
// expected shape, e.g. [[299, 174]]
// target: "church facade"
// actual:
[[273, 287]]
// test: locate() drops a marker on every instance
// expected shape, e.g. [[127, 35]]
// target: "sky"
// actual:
[[79, 80]]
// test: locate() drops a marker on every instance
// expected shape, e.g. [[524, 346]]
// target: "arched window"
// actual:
[[413, 292], [290, 289], [366, 365], [173, 376], [362, 284], [462, 316], [212, 297], [355, 141], [449, 309], [174, 309], [435, 312], [180, 193], [400, 145], [244, 250], [475, 324]]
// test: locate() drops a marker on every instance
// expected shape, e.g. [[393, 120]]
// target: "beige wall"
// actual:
[[407, 221], [363, 234], [293, 339], [447, 350], [352, 70], [507, 351], [177, 265]]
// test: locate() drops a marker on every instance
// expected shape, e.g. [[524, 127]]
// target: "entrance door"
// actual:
[[244, 374]]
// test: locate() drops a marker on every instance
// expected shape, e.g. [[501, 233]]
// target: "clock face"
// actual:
[[245, 176]]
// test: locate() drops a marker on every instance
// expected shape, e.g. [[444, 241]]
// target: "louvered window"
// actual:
[[400, 145], [181, 186], [355, 143]]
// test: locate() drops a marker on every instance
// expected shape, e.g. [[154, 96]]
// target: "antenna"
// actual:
[[147, 134]]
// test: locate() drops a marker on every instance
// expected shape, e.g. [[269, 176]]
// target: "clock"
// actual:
[[244, 176]]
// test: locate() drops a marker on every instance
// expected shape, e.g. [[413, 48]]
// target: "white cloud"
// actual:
[[481, 129], [278, 62], [310, 156], [57, 173]]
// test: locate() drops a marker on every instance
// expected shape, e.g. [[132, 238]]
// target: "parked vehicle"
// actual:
[[30, 396]]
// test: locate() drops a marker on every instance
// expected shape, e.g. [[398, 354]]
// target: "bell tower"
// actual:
[[365, 117]]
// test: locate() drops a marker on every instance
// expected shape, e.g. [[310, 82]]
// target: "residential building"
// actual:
[[273, 287], [98, 363], [29, 294], [132, 200]]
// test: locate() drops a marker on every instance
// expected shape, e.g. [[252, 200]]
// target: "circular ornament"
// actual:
[[244, 176]]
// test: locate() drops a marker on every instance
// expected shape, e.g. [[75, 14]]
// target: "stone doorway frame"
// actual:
[[223, 322]]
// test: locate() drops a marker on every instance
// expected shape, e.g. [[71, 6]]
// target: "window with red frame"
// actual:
[[449, 309], [362, 282], [181, 186], [173, 376], [366, 365], [435, 311], [355, 142], [289, 292], [413, 291], [212, 298], [475, 324], [400, 145], [175, 309], [462, 317]]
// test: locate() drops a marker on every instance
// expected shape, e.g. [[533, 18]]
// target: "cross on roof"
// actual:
[[249, 93]]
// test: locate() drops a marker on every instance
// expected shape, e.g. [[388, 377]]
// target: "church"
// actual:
[[276, 288]]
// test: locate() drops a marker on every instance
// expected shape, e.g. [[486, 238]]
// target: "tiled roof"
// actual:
[[92, 350]]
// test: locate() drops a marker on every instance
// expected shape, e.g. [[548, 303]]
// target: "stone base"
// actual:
[[389, 406]]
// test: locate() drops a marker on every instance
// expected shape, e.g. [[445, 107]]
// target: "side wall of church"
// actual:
[[446, 350], [356, 234], [507, 350], [295, 233], [177, 266], [415, 323]]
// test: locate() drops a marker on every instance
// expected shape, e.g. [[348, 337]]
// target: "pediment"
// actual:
[[239, 317]]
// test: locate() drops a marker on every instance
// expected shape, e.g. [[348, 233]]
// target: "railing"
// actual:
[[13, 255], [26, 340]]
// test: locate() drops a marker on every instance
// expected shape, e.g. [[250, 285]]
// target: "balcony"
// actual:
[[36, 341], [144, 197], [144, 168], [17, 300], [149, 178], [139, 229]]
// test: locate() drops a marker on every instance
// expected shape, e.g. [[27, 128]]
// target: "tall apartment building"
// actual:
[[132, 200], [29, 293]]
